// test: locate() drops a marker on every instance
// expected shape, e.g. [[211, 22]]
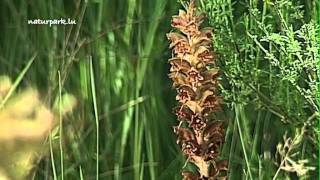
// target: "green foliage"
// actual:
[[268, 53]]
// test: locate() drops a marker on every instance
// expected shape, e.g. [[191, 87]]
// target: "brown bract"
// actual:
[[196, 81]]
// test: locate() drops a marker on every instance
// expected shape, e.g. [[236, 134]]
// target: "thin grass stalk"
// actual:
[[60, 128], [54, 171], [94, 99]]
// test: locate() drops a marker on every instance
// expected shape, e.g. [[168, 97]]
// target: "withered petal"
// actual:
[[210, 77], [178, 79], [188, 175], [185, 93], [207, 31], [216, 138], [179, 64], [185, 23], [179, 42], [183, 113], [182, 14], [211, 151], [194, 106], [218, 166], [204, 38], [179, 21], [211, 109], [211, 74], [194, 76], [206, 87], [184, 134], [212, 103], [201, 50], [212, 128], [222, 165], [191, 148], [214, 172], [198, 122], [175, 37], [203, 96], [199, 18]]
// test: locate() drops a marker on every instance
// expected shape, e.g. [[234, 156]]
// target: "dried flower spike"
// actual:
[[195, 80]]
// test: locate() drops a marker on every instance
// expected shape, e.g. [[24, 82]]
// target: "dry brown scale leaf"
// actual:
[[199, 135]]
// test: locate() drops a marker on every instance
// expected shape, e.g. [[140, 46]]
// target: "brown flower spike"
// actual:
[[199, 135]]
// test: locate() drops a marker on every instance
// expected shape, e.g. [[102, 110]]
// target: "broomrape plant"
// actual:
[[200, 135]]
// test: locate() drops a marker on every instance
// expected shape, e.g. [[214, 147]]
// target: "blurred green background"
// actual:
[[114, 61]]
